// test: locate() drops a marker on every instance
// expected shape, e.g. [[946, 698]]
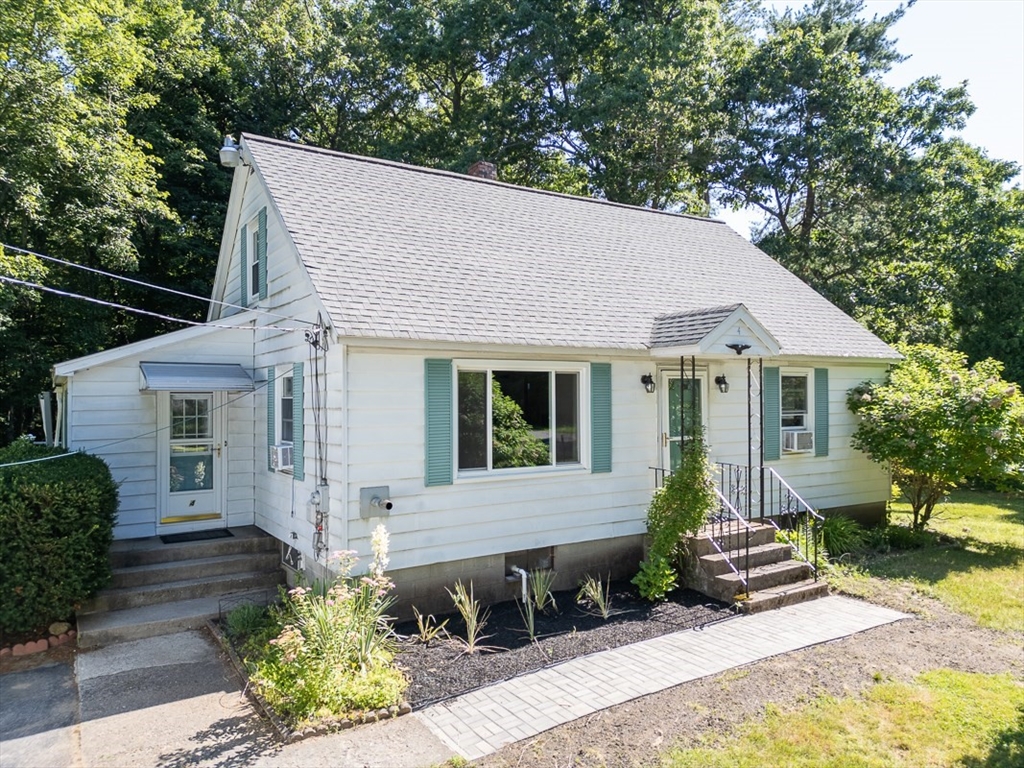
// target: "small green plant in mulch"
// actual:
[[333, 656], [656, 578], [427, 628], [474, 618], [841, 535], [596, 596], [541, 580]]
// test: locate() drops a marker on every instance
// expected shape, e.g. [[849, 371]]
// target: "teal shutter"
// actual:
[[261, 256], [298, 419], [772, 422], [243, 279], [600, 417], [439, 444], [821, 411], [271, 404]]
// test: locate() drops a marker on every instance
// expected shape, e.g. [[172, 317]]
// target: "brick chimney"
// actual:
[[483, 170]]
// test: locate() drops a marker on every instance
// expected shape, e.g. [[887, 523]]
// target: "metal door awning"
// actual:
[[195, 377]]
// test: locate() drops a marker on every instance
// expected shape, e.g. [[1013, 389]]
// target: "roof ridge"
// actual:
[[466, 177], [701, 311]]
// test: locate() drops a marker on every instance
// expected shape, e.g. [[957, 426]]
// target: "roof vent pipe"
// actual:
[[483, 170]]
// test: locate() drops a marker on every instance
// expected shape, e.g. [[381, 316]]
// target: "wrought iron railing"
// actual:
[[762, 493], [721, 527]]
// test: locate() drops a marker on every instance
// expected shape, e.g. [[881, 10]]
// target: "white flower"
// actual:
[[379, 543]]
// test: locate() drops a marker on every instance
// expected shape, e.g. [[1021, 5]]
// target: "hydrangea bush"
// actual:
[[937, 422]]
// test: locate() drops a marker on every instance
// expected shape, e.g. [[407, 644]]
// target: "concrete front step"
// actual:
[[99, 629], [186, 589], [730, 537], [131, 553], [784, 594], [764, 554], [181, 570], [728, 585]]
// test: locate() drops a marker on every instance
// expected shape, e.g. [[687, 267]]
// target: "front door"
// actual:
[[192, 448], [682, 401]]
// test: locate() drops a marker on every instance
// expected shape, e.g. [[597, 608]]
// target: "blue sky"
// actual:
[[980, 41]]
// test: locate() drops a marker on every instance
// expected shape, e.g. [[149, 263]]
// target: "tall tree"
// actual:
[[74, 180]]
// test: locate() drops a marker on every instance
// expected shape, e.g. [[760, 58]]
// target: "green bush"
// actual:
[[840, 535], [56, 525], [334, 654], [656, 578]]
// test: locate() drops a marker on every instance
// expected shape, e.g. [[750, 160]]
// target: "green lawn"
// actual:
[[973, 561], [944, 718]]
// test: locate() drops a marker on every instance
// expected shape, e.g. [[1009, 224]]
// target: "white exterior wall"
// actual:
[[384, 437], [106, 406], [845, 477]]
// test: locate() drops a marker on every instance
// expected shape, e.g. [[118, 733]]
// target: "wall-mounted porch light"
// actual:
[[722, 383], [648, 381]]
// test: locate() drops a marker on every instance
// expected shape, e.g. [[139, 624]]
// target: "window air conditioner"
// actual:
[[281, 456], [797, 442]]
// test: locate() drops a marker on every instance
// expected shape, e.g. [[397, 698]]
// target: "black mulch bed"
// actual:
[[441, 669]]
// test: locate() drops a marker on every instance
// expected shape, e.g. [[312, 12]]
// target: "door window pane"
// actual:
[[567, 418], [685, 413], [190, 418], [191, 467], [472, 420]]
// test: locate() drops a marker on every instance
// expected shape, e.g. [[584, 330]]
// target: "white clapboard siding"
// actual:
[[109, 416]]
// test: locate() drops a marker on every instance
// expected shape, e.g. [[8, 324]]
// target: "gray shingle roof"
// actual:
[[680, 329], [397, 251]]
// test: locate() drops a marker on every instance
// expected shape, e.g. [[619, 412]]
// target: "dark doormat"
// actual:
[[181, 538]]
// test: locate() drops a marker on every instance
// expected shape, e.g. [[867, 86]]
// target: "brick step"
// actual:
[[130, 553], [181, 570], [99, 629], [784, 594], [764, 554], [733, 536], [175, 591]]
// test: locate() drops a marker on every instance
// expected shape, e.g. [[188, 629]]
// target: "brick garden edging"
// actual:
[[40, 645], [281, 730]]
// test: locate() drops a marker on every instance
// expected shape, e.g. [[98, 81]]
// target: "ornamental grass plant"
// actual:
[[334, 653]]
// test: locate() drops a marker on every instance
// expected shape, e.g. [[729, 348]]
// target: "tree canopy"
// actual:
[[112, 113]]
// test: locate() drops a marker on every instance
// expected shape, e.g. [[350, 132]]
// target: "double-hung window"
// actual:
[[513, 416], [255, 233], [796, 411], [286, 426]]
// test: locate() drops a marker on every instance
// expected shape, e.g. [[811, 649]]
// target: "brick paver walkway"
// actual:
[[483, 721]]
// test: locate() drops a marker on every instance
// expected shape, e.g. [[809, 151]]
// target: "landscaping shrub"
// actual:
[[841, 535], [334, 653], [56, 525], [656, 578]]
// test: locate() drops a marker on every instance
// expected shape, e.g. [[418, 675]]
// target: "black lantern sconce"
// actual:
[[648, 381], [722, 383]]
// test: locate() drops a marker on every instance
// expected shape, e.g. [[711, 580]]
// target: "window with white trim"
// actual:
[[515, 416], [797, 411], [286, 422], [254, 259]]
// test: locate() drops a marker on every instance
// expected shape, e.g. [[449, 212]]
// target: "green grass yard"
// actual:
[[973, 561], [943, 718]]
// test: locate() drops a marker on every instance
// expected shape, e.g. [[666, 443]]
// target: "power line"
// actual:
[[144, 284], [158, 430], [136, 310]]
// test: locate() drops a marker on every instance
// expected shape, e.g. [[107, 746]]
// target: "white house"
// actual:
[[376, 330]]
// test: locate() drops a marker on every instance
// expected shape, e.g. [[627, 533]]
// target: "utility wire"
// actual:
[[158, 430], [136, 310], [133, 281]]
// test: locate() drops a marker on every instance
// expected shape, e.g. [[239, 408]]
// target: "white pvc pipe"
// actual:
[[523, 576]]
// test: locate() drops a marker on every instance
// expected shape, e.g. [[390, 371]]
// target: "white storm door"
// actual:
[[193, 465]]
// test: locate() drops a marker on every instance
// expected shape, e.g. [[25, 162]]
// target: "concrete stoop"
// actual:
[[775, 578], [159, 588]]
